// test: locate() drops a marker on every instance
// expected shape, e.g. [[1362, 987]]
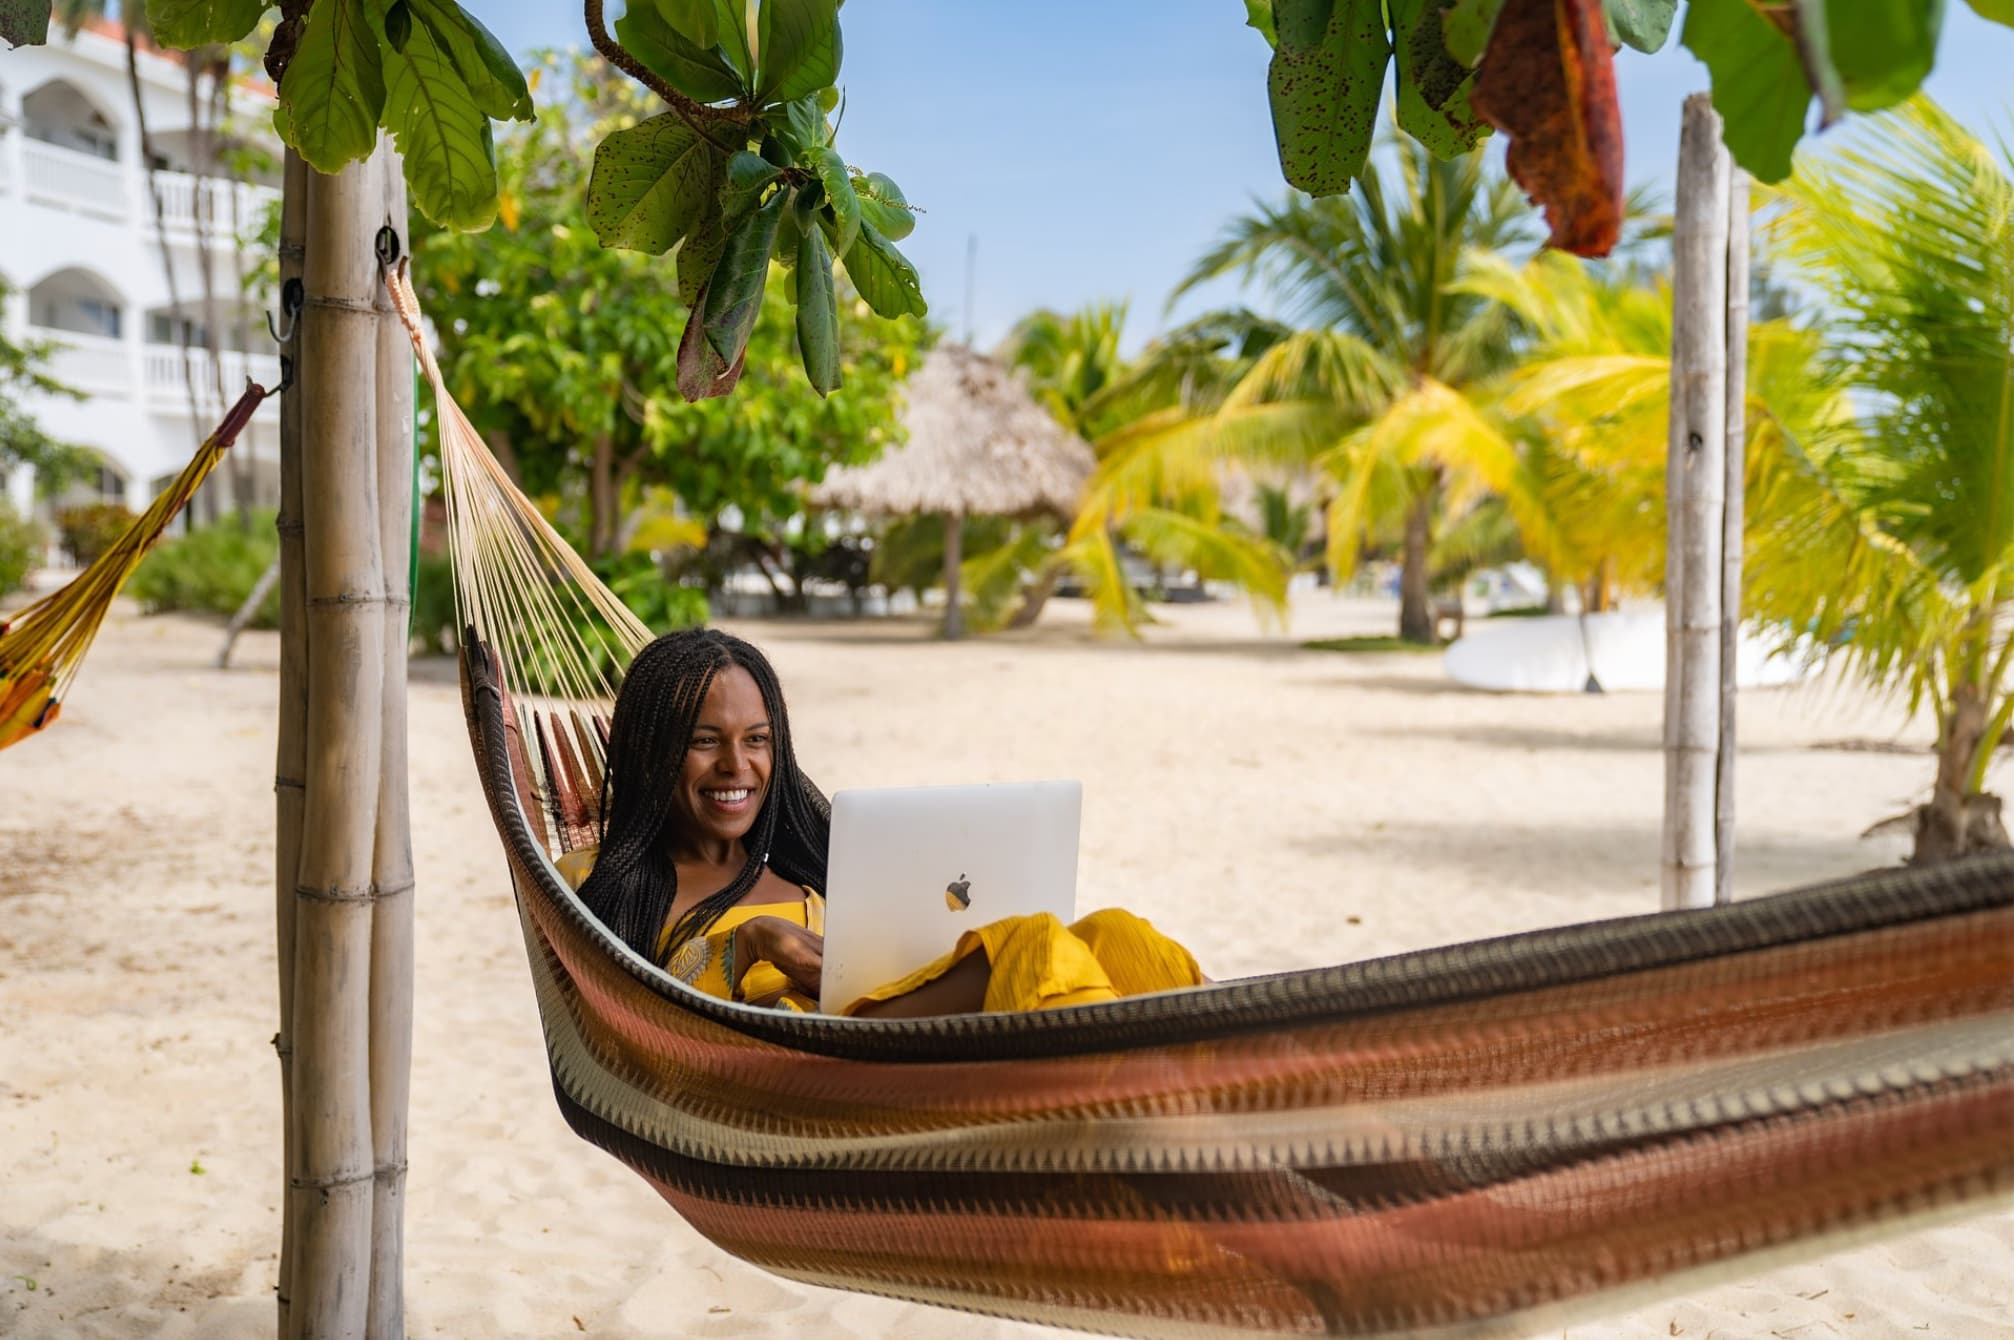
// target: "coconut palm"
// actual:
[[1384, 350], [1896, 547]]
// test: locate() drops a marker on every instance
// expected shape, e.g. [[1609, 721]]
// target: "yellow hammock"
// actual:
[[1473, 1140], [43, 646]]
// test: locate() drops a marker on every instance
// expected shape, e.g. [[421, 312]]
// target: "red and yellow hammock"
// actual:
[[43, 646]]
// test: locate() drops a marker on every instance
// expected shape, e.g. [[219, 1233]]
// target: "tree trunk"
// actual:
[[290, 765], [500, 447], [346, 672], [247, 612], [201, 147], [161, 235], [1036, 596], [1555, 593], [1959, 821], [601, 498], [1695, 475], [1733, 498], [392, 855], [1416, 615], [954, 558]]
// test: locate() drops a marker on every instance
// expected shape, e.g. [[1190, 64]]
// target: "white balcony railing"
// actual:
[[96, 364], [166, 389], [180, 197], [78, 181]]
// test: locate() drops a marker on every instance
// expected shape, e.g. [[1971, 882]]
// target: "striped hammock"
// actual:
[[1466, 1141], [43, 646]]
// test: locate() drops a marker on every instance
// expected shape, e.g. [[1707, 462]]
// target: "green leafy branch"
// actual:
[[742, 172]]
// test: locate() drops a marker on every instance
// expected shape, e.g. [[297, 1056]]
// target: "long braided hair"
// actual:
[[634, 880]]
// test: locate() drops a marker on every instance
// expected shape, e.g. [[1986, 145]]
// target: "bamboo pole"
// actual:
[[1733, 510], [954, 559], [1694, 481], [345, 617], [392, 863], [290, 764]]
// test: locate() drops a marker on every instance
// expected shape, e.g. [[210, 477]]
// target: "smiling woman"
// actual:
[[713, 851]]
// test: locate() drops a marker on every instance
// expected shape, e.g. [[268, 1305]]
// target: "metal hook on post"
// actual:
[[291, 296], [387, 247]]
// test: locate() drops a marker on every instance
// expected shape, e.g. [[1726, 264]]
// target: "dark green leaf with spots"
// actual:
[[817, 312], [1325, 80], [734, 294], [701, 73], [651, 184], [1433, 87]]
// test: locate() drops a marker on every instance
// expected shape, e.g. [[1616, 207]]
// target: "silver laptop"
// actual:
[[912, 869]]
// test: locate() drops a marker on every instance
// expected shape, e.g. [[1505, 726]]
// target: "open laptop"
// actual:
[[912, 869]]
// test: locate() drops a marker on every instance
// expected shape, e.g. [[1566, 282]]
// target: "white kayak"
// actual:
[[1622, 650]]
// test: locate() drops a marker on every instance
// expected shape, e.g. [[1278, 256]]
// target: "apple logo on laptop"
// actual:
[[958, 893]]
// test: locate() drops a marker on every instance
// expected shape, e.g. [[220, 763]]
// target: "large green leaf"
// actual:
[[734, 294], [1466, 27], [1995, 11], [1759, 87], [838, 183], [445, 138], [1882, 48], [701, 73], [1324, 83], [800, 48], [699, 254], [698, 20], [1259, 15], [817, 312], [193, 23], [883, 276], [1433, 86], [1644, 24], [883, 205], [651, 183], [333, 93], [24, 23], [485, 66], [802, 128], [748, 175]]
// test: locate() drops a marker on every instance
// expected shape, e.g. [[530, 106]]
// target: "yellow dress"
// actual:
[[1038, 963]]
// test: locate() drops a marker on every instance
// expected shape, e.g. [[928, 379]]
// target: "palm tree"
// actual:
[[1894, 546], [1385, 348]]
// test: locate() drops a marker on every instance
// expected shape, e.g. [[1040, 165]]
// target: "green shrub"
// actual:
[[88, 530], [21, 541], [211, 570], [436, 625]]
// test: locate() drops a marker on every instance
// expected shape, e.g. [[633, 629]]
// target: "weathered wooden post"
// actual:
[[392, 859], [1695, 476], [1732, 519]]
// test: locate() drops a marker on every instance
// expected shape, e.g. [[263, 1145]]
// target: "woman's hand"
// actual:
[[798, 954]]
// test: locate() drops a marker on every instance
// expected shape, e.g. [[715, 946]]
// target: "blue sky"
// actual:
[[1096, 149]]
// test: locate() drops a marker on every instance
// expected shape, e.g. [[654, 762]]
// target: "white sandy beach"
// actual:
[[1271, 807]]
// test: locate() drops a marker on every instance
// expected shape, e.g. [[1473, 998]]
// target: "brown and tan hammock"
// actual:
[[1464, 1141], [43, 646]]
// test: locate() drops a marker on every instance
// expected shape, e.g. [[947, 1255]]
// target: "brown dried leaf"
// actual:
[[1547, 80]]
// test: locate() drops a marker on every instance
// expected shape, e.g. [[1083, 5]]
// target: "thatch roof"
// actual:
[[979, 445]]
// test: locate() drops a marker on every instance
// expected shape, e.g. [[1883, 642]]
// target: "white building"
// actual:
[[83, 265]]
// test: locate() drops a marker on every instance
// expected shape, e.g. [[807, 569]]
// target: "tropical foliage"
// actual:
[[23, 443], [1893, 545], [1542, 72], [565, 354], [741, 169], [1373, 382]]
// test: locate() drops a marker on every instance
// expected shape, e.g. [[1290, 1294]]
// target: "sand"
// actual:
[[1270, 806]]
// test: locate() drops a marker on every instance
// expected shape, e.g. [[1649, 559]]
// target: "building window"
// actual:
[[99, 318]]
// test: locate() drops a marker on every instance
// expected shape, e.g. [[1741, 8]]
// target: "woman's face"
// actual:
[[726, 774]]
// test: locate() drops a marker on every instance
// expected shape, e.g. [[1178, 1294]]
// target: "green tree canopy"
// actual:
[[565, 353]]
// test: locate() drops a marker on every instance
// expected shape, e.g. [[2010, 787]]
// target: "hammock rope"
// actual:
[[43, 646], [1466, 1141]]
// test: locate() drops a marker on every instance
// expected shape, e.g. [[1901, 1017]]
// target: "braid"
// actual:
[[634, 883]]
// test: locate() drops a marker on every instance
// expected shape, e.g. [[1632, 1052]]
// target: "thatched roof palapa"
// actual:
[[979, 445]]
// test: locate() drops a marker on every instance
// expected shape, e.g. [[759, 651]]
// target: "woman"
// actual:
[[712, 860]]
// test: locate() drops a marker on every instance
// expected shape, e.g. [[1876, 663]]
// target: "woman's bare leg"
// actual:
[[962, 990]]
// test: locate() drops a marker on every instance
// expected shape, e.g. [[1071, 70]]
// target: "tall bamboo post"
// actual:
[[954, 560], [392, 862], [290, 764], [1695, 476], [1732, 519], [346, 634]]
